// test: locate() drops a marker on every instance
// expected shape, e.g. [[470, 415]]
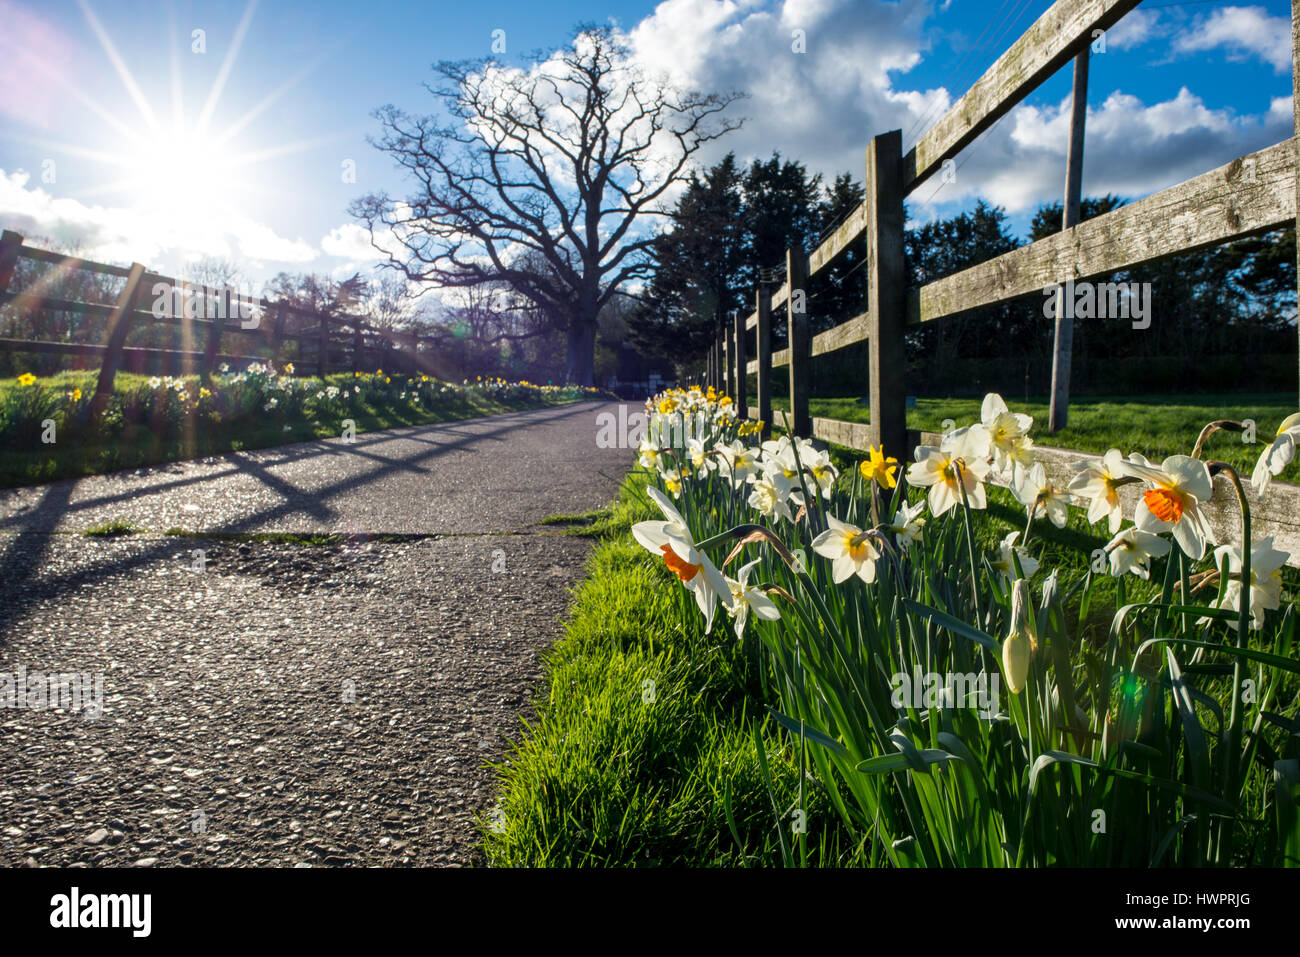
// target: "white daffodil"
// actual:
[[938, 469], [741, 462], [1008, 434], [1265, 578], [650, 455], [745, 598], [671, 540], [770, 494], [1173, 500], [1132, 550], [1278, 455], [700, 458], [908, 523], [1019, 645], [849, 549], [672, 479], [1040, 497], [1006, 567], [1097, 482], [779, 459], [823, 472]]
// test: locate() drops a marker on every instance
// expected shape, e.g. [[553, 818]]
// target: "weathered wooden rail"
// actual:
[[1252, 194], [326, 342]]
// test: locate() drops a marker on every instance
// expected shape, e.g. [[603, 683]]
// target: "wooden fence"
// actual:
[[325, 342], [1252, 194]]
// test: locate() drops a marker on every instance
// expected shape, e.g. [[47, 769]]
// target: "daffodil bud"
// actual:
[[1018, 646]]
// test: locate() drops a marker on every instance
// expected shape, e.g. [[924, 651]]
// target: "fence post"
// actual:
[[1063, 344], [10, 243], [885, 304], [742, 374], [796, 278], [119, 324], [323, 359], [763, 340]]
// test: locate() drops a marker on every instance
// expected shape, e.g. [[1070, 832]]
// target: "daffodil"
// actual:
[[908, 523], [1132, 550], [27, 379], [1099, 483], [1173, 500], [818, 464], [650, 455], [746, 598], [671, 539], [1265, 578], [1008, 554], [1040, 497], [959, 463], [878, 468], [739, 461], [1278, 455], [770, 495], [1019, 645], [699, 457], [1008, 434], [849, 549]]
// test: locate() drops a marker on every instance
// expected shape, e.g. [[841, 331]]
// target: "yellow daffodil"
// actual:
[[879, 468], [26, 379]]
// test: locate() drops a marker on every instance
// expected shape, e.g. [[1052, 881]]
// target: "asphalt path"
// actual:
[[273, 703]]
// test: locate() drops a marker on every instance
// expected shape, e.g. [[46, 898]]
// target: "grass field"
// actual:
[[1155, 425], [149, 422]]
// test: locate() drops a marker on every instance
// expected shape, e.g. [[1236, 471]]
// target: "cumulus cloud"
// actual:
[[1131, 149], [822, 106], [1244, 32]]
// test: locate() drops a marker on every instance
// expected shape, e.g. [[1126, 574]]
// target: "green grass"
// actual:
[[1155, 425], [140, 432], [643, 752], [114, 528]]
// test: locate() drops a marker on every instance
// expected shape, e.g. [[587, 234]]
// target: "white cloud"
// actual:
[[821, 107], [1244, 32], [1134, 29], [1131, 149], [124, 235]]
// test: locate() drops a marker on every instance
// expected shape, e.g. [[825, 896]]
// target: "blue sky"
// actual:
[[146, 163]]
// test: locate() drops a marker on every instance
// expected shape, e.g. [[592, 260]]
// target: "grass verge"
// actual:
[[644, 751]]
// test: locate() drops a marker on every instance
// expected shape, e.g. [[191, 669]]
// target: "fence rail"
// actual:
[[1253, 194], [338, 342]]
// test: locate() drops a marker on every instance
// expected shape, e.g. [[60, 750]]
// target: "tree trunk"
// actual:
[[581, 358]]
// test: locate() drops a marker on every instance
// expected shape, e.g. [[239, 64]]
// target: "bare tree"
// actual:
[[559, 163]]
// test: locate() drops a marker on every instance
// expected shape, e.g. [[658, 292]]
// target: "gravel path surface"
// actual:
[[280, 704]]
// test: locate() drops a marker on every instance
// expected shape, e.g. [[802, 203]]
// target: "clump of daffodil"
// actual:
[[878, 467], [1019, 645]]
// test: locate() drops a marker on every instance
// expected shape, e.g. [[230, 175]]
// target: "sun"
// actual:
[[176, 167], [177, 172]]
